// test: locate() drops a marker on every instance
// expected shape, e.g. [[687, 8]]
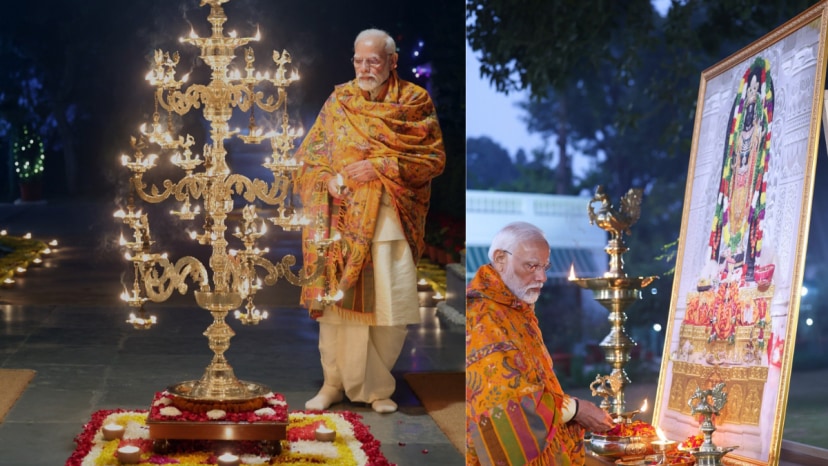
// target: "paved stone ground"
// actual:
[[65, 321]]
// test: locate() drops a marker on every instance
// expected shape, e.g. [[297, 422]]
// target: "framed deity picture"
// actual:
[[744, 231]]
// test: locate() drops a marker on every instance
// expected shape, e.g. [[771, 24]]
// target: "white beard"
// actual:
[[526, 293]]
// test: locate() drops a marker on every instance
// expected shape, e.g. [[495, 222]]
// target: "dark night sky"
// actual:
[[94, 55]]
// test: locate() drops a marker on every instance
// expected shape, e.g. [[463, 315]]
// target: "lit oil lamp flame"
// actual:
[[258, 35], [661, 435], [572, 272], [644, 406], [122, 241], [185, 78], [119, 214], [193, 34]]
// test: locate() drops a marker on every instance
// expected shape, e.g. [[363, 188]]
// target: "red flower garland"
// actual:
[[362, 433], [247, 416]]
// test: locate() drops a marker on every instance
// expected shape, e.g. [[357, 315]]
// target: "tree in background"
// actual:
[[616, 81]]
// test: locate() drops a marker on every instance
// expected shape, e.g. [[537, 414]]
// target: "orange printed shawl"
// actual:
[[401, 137], [513, 398]]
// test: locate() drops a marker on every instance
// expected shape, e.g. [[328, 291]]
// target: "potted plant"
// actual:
[[29, 161]]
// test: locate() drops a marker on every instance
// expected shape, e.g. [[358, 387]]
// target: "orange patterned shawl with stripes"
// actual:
[[513, 398], [401, 137]]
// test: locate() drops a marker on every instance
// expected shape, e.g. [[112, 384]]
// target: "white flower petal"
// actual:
[[171, 411]]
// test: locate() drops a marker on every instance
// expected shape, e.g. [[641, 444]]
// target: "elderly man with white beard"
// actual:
[[516, 410], [367, 167]]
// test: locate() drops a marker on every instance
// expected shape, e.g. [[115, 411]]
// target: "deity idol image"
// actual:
[[736, 230]]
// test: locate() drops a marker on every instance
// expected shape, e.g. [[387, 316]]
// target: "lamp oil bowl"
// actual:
[[710, 456], [613, 446], [624, 439]]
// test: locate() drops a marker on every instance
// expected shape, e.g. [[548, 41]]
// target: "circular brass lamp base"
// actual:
[[234, 390]]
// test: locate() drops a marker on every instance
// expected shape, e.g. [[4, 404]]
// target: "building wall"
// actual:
[[563, 218]]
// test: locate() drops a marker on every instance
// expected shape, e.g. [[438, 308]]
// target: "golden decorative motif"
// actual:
[[746, 383]]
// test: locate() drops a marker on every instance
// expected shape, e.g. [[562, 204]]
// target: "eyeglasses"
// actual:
[[373, 62], [533, 267]]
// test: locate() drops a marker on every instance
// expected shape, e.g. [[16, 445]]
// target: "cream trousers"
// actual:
[[358, 358]]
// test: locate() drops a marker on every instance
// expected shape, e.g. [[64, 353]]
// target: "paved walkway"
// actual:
[[65, 321]]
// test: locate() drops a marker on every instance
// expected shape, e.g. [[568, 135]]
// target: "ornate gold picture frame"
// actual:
[[744, 231]]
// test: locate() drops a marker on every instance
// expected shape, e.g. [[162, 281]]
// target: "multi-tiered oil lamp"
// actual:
[[615, 291], [206, 190]]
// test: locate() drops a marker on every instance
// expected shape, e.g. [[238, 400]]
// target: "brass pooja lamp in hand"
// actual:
[[230, 277]]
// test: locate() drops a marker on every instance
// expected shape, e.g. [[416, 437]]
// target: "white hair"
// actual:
[[513, 234], [390, 45]]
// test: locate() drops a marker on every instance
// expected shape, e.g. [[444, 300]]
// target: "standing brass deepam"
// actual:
[[615, 291], [709, 403], [234, 278]]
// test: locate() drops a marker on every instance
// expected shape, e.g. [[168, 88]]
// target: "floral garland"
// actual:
[[354, 444], [165, 407], [20, 253]]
